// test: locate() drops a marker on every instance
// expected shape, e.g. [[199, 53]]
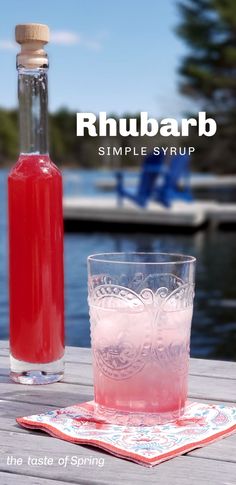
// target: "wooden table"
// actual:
[[210, 381]]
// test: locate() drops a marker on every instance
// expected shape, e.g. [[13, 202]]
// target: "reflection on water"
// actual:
[[214, 320]]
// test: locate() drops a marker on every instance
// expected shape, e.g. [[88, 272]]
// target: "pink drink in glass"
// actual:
[[141, 308], [141, 358]]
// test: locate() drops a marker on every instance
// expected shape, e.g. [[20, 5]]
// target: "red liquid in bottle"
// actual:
[[36, 260]]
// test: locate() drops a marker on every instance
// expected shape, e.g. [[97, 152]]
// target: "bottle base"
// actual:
[[36, 374]]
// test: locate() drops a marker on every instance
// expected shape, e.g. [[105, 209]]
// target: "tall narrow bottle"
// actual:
[[36, 286]]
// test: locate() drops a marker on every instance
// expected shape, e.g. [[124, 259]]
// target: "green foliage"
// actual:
[[8, 136], [209, 74]]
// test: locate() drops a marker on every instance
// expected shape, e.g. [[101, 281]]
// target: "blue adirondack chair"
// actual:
[[176, 182], [151, 169]]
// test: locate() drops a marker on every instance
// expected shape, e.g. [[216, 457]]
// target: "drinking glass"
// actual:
[[141, 307]]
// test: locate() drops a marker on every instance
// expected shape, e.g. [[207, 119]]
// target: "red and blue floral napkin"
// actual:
[[200, 425]]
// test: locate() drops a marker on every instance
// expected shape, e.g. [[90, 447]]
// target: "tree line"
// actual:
[[68, 150]]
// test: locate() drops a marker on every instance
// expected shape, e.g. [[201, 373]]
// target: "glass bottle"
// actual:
[[36, 277]]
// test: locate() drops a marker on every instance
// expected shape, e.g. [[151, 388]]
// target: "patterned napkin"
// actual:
[[200, 425]]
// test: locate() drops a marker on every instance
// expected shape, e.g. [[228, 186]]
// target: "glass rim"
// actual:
[[175, 258]]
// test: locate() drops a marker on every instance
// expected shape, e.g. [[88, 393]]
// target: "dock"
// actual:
[[210, 381], [103, 211], [108, 184]]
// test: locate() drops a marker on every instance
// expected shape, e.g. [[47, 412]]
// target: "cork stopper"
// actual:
[[32, 38]]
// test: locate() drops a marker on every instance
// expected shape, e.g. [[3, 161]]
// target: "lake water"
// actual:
[[214, 320]]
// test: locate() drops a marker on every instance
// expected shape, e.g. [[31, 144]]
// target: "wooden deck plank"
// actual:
[[75, 387], [210, 381], [56, 395], [75, 373], [77, 370], [61, 392], [8, 478], [100, 210], [205, 367], [214, 368], [114, 470], [212, 388]]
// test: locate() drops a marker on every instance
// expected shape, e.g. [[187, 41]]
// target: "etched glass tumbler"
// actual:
[[141, 307]]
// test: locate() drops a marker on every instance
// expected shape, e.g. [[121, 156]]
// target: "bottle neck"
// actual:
[[33, 110]]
